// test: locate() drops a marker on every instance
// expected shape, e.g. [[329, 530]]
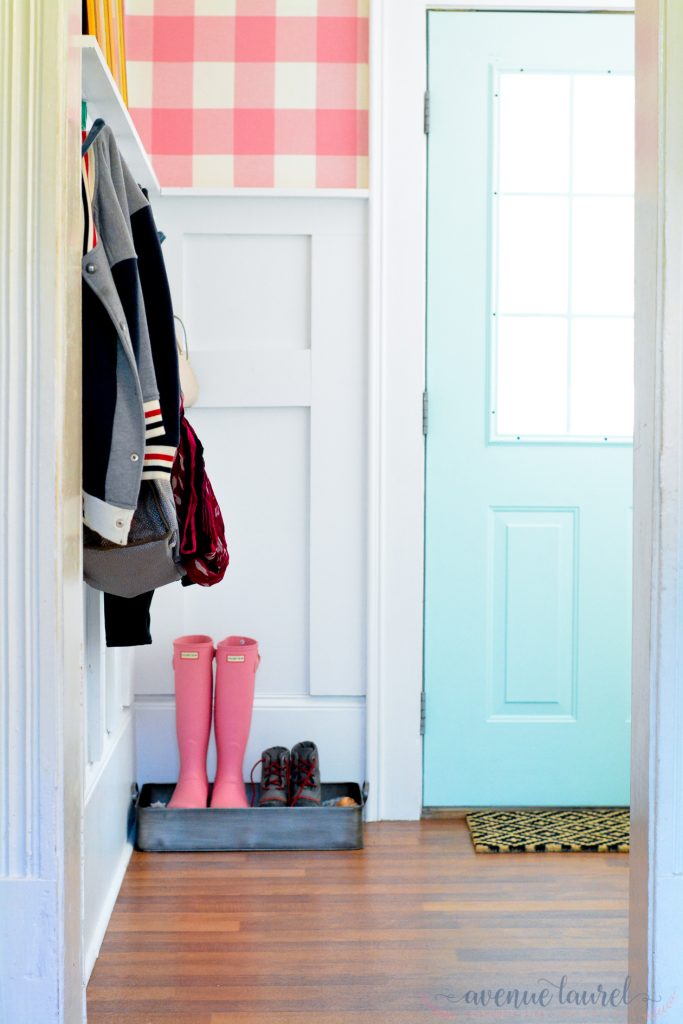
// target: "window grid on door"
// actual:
[[561, 255]]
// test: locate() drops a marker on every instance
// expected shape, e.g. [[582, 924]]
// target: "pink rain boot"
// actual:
[[237, 659], [193, 667]]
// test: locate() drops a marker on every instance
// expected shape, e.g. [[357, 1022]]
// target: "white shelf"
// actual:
[[104, 100]]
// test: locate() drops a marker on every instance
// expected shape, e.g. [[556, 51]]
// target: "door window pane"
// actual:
[[604, 134], [602, 256], [562, 257], [534, 113], [602, 377], [532, 369], [533, 254]]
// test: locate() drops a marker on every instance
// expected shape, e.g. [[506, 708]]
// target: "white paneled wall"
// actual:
[[109, 774], [272, 293]]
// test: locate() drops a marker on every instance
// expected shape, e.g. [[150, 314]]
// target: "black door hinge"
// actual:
[[425, 412], [426, 112], [423, 712]]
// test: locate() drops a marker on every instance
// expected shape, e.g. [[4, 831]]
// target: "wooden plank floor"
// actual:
[[393, 934]]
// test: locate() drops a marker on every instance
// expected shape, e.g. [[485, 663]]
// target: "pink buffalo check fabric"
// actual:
[[251, 93]]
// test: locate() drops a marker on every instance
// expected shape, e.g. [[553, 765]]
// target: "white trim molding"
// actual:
[[194, 192], [656, 898], [40, 635], [396, 375]]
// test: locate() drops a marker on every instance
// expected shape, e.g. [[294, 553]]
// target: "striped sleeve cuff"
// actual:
[[159, 461], [154, 424]]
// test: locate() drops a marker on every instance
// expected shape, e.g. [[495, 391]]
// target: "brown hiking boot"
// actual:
[[306, 790], [275, 770]]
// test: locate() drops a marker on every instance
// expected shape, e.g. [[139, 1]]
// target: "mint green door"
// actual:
[[530, 383]]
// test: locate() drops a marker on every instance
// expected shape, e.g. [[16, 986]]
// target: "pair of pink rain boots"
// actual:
[[237, 659]]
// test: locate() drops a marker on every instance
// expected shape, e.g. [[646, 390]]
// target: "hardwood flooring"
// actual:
[[393, 934]]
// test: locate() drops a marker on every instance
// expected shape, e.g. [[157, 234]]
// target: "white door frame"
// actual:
[[396, 455], [41, 806], [656, 898]]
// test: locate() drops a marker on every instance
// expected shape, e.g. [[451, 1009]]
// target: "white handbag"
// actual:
[[189, 385]]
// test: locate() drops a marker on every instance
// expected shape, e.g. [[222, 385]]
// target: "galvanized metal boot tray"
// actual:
[[164, 830]]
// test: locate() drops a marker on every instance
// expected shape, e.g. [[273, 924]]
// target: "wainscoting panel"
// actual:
[[259, 467], [248, 291], [272, 294], [109, 774]]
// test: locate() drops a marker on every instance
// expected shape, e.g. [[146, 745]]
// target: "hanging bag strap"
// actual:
[[184, 330], [97, 127], [188, 379]]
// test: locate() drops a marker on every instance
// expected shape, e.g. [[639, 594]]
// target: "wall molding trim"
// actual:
[[92, 949], [94, 775], [267, 702], [656, 891], [396, 382], [40, 620], [266, 193]]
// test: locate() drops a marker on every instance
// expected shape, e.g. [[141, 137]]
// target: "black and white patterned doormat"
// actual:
[[551, 830]]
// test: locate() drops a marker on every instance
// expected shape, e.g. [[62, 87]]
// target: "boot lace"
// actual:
[[304, 775], [275, 775]]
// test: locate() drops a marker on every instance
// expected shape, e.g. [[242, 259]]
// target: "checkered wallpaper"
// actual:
[[251, 93]]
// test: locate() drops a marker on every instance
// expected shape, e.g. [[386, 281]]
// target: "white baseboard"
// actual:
[[94, 945]]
